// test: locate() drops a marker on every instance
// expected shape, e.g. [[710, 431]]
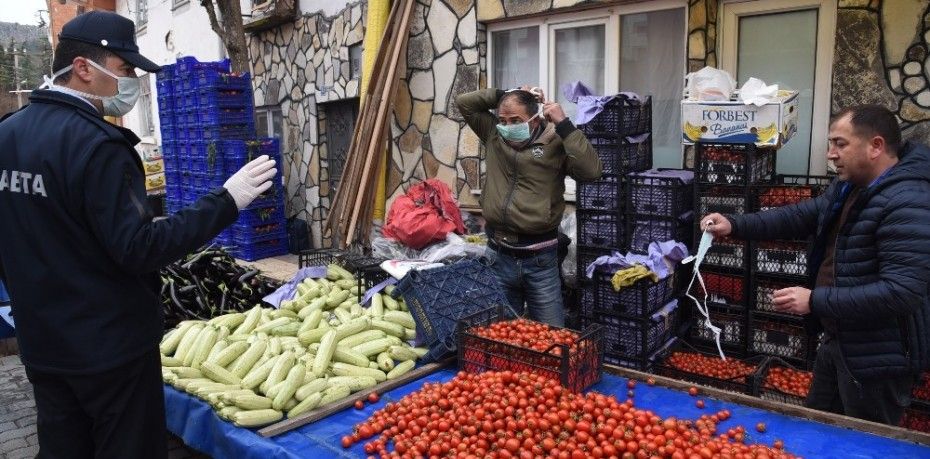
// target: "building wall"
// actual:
[[59, 13], [300, 66], [883, 57]]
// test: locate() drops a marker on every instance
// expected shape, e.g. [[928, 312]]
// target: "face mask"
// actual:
[[517, 132], [127, 91]]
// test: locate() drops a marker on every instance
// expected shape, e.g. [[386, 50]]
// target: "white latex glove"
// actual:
[[252, 180]]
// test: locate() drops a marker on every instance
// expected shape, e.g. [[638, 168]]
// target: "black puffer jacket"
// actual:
[[881, 299]]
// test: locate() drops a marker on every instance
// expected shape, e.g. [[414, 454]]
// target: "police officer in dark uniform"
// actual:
[[79, 250]]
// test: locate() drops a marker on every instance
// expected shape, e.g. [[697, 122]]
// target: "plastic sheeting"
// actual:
[[200, 428]]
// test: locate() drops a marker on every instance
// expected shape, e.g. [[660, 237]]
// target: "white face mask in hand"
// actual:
[[706, 240], [252, 180], [127, 91]]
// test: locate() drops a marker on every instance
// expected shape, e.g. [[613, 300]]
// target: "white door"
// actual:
[[788, 42]]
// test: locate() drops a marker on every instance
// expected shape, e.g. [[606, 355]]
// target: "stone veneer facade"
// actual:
[[882, 56]]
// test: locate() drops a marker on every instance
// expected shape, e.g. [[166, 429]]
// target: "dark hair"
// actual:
[[67, 50], [873, 120], [524, 98]]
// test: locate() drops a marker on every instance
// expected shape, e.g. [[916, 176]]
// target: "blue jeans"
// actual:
[[533, 281]]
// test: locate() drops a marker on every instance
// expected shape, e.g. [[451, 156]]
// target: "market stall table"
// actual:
[[197, 424]]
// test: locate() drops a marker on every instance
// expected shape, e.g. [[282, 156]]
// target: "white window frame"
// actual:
[[268, 111], [142, 14], [609, 16], [731, 11], [146, 112]]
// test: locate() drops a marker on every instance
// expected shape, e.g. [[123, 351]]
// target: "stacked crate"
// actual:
[[660, 207], [725, 177], [640, 319], [780, 264], [208, 133]]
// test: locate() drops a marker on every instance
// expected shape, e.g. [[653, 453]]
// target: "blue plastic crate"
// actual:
[[261, 249], [212, 133], [260, 230], [237, 153], [222, 116], [258, 215], [188, 64], [439, 298], [212, 79], [167, 72], [223, 98], [206, 182]]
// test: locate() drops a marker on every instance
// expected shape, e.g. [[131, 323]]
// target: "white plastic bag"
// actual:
[[568, 227], [710, 84], [755, 92]]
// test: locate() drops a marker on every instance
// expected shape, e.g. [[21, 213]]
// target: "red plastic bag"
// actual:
[[426, 214]]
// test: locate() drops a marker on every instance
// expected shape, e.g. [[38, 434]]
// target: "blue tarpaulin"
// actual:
[[195, 422]]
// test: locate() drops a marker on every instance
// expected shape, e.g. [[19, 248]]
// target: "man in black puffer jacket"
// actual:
[[870, 266]]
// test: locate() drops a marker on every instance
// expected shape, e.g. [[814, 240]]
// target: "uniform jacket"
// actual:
[[79, 251], [523, 190], [880, 296]]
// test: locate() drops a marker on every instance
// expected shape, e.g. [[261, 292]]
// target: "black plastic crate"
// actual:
[[619, 156], [730, 321], [319, 257], [783, 382], [636, 338], [621, 116], [779, 335], [727, 253], [642, 299], [734, 164], [587, 255], [439, 298], [644, 230], [787, 190], [916, 417], [603, 195], [660, 192], [640, 363], [764, 288], [679, 362], [786, 258], [726, 200], [601, 229], [727, 290], [577, 367]]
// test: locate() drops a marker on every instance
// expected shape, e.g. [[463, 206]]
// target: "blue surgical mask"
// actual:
[[517, 132]]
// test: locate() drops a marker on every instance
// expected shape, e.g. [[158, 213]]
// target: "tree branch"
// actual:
[[214, 23]]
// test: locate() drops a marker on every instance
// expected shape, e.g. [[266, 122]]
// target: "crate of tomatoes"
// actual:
[[489, 340], [917, 417], [687, 363], [782, 382], [922, 388]]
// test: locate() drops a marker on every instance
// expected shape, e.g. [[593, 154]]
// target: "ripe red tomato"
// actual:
[[631, 384], [651, 381], [760, 427], [692, 391], [699, 404], [373, 397], [359, 404]]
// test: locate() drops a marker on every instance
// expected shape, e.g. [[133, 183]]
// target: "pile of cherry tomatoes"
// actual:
[[506, 414], [922, 388], [706, 365], [789, 380], [527, 333]]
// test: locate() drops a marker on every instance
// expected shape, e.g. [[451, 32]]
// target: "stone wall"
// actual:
[[297, 66], [883, 57]]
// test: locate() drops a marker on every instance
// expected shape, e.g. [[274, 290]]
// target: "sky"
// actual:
[[22, 11]]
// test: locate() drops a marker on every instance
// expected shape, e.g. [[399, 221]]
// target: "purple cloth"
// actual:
[[377, 288], [286, 291], [589, 105], [661, 256], [685, 176]]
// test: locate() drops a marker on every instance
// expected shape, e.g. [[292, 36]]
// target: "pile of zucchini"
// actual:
[[320, 347]]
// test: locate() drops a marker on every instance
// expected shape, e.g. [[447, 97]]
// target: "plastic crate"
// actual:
[[645, 230], [259, 230], [764, 289], [221, 132], [731, 322], [166, 72], [642, 299], [921, 390], [237, 153], [213, 79], [257, 250], [206, 182], [787, 258], [603, 195], [438, 298], [916, 417], [220, 116], [188, 64], [218, 98], [782, 382], [318, 257], [636, 338], [619, 156], [258, 215], [646, 363], [723, 199], [661, 192], [734, 164], [779, 335], [600, 229], [790, 189], [743, 381], [576, 367], [587, 255], [622, 116], [722, 289], [727, 253]]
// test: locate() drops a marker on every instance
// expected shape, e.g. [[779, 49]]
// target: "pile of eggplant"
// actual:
[[210, 283]]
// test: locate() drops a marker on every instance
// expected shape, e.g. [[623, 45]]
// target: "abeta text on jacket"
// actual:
[[22, 182]]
